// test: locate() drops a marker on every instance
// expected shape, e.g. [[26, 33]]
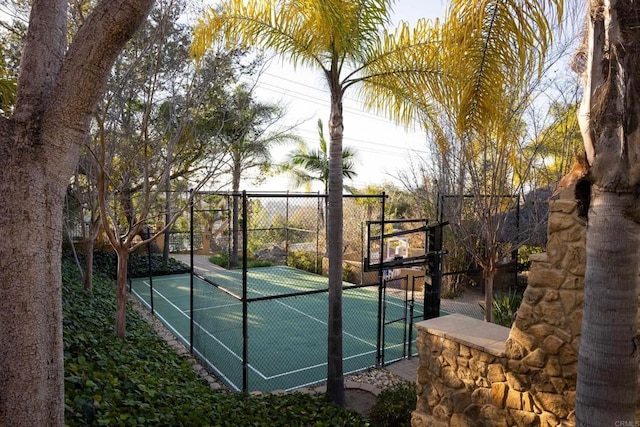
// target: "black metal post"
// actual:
[[437, 274], [411, 309], [245, 325], [286, 231], [381, 284], [434, 263], [229, 230], [191, 271], [514, 254], [147, 236], [318, 268]]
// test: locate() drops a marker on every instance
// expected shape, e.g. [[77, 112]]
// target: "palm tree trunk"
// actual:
[[608, 360], [335, 376]]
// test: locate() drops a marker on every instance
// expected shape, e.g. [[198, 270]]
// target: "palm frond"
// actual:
[[401, 72], [302, 31], [490, 44]]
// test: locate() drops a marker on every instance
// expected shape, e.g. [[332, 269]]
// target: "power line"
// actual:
[[394, 148], [319, 101]]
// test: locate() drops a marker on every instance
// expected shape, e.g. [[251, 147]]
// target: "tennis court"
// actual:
[[277, 339]]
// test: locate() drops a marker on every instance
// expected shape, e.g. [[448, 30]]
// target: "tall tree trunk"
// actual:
[[235, 224], [31, 377], [88, 264], [167, 220], [121, 292], [89, 246], [608, 359], [335, 376], [39, 149], [609, 118], [488, 276]]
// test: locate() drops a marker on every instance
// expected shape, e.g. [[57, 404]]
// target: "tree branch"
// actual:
[[89, 59], [42, 57]]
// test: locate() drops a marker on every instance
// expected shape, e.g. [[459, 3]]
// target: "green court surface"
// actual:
[[286, 340]]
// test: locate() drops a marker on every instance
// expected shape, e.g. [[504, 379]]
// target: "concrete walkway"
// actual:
[[406, 369], [200, 262]]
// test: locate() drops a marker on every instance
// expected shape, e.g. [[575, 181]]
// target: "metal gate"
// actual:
[[400, 310]]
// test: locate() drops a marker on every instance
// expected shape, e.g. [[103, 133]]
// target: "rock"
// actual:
[[524, 418], [554, 403], [499, 394], [535, 359], [460, 400], [450, 378], [567, 354], [553, 368], [495, 373], [518, 382], [552, 344], [481, 396], [494, 417], [461, 420], [514, 399]]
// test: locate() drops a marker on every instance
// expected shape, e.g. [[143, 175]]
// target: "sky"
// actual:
[[382, 148]]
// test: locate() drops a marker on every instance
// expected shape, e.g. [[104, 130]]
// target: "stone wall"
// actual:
[[533, 381]]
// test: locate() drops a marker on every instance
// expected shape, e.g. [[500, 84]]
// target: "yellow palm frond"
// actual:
[[400, 72], [307, 32], [254, 23], [392, 70], [490, 44]]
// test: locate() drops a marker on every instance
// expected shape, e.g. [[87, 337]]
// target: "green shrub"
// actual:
[[143, 381], [220, 259], [394, 405], [139, 265], [505, 307], [105, 263], [223, 261], [349, 274], [306, 261]]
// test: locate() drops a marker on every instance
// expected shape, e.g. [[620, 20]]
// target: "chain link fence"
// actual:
[[262, 323]]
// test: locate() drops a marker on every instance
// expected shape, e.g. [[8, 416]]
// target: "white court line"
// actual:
[[214, 306], [199, 326], [259, 373]]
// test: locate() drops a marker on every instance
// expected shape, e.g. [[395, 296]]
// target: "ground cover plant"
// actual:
[[143, 381], [394, 406]]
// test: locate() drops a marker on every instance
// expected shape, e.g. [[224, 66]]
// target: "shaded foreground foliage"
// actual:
[[394, 406], [105, 263], [143, 381]]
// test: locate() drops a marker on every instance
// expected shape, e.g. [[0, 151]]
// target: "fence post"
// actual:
[[148, 235], [245, 325], [191, 271], [379, 340]]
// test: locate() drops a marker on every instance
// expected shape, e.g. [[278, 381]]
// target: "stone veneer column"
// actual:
[[543, 345], [533, 383]]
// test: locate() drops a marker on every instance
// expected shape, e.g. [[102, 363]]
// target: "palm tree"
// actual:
[[308, 165], [607, 385], [347, 42], [607, 378], [491, 51], [247, 137]]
